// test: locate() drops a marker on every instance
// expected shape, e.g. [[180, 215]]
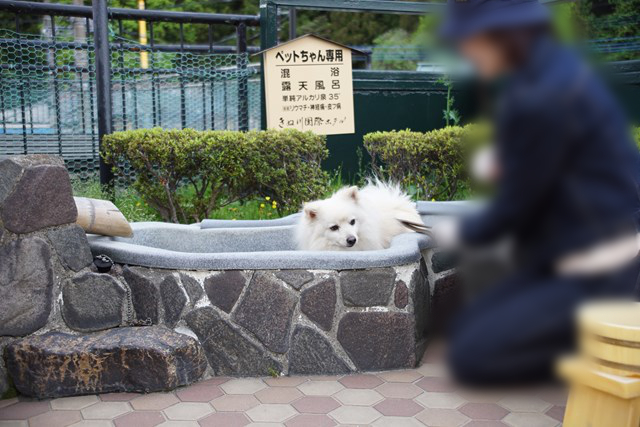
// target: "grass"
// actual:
[[135, 209]]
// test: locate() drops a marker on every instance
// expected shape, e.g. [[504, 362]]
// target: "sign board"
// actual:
[[309, 86]]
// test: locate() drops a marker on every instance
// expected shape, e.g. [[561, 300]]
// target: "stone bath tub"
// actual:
[[258, 306]]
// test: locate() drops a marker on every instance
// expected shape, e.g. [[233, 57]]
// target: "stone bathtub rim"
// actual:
[[404, 249]]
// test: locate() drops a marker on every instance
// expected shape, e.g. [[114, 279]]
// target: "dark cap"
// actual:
[[464, 18]]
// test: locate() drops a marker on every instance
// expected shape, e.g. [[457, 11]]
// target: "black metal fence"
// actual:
[[62, 89]]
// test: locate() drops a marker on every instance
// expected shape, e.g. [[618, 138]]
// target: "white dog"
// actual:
[[358, 220]]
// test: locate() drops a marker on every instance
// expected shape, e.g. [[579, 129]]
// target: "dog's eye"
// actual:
[[334, 227], [352, 222]]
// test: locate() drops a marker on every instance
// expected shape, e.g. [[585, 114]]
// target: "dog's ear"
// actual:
[[352, 192], [310, 211]]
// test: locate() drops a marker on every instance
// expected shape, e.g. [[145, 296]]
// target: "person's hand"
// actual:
[[446, 232]]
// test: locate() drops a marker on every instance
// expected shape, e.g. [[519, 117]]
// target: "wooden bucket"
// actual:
[[610, 336], [605, 377], [101, 217]]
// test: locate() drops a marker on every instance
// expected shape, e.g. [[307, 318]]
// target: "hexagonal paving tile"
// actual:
[[358, 397], [274, 413], [172, 423], [519, 419], [24, 410], [442, 418], [55, 418], [140, 419], [355, 415], [320, 388], [524, 403], [278, 395], [243, 386], [118, 397], [235, 403], [6, 402], [188, 411], [432, 370], [226, 419], [310, 420], [407, 376], [398, 407], [399, 390], [315, 405], [15, 423], [485, 423], [437, 384], [556, 412], [397, 422], [440, 400], [154, 401], [554, 395], [214, 381], [199, 393], [75, 402], [93, 423], [365, 381], [284, 381], [105, 410], [483, 411]]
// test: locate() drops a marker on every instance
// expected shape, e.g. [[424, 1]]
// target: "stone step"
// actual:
[[137, 359]]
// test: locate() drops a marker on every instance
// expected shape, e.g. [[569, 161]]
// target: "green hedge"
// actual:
[[430, 165], [187, 174]]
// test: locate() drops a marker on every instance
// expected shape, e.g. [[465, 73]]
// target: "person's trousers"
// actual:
[[515, 331]]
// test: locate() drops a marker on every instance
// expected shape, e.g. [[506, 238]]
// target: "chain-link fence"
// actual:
[[48, 93]]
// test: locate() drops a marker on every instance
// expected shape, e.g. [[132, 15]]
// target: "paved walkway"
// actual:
[[417, 397]]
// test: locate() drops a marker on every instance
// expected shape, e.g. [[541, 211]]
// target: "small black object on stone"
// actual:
[[103, 263]]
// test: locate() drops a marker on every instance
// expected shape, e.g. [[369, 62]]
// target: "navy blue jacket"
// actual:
[[570, 170]]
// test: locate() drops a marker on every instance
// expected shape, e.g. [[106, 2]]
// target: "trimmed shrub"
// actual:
[[187, 174], [429, 165]]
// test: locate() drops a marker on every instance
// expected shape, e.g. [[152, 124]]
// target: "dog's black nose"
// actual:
[[351, 241]]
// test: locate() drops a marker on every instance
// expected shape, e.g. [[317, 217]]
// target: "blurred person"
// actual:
[[567, 194]]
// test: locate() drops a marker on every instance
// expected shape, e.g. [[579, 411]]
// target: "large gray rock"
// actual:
[[318, 302], [92, 302], [366, 288], [295, 278], [378, 340], [118, 360], [266, 310], [173, 300], [71, 245], [41, 198], [144, 292], [193, 288], [4, 376], [311, 354], [225, 288], [443, 261], [421, 295], [229, 352], [401, 295], [26, 286], [10, 172]]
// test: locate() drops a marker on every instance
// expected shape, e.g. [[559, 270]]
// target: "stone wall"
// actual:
[[66, 329]]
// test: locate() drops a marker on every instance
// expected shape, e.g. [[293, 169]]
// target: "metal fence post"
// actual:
[[103, 82], [243, 89]]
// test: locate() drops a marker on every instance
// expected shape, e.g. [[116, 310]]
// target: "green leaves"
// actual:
[[186, 174], [430, 165]]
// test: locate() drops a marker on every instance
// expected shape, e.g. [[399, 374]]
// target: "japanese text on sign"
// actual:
[[309, 86]]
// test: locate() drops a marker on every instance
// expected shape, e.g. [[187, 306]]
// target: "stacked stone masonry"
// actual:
[[66, 329]]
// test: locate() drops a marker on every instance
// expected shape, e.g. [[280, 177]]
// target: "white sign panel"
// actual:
[[309, 86]]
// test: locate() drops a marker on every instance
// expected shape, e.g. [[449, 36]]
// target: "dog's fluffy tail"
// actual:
[[390, 197]]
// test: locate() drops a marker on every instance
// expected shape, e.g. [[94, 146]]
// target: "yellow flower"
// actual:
[[433, 199], [267, 198], [138, 204], [274, 203], [261, 205], [233, 219]]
